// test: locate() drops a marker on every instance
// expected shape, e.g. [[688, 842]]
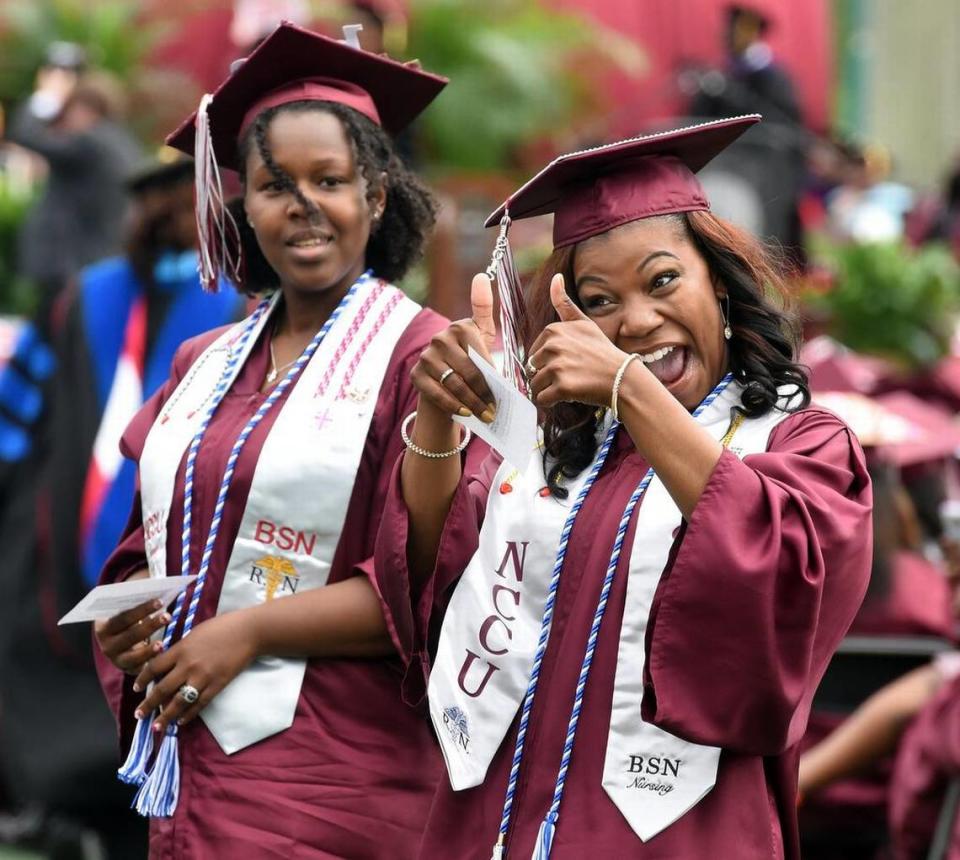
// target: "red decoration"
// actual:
[[544, 492], [506, 487]]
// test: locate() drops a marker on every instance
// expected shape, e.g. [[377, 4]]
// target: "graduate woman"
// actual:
[[266, 721], [633, 629]]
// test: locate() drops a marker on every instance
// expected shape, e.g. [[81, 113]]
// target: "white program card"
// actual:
[[514, 431], [105, 601]]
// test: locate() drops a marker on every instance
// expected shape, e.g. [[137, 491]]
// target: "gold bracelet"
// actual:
[[617, 381], [423, 452]]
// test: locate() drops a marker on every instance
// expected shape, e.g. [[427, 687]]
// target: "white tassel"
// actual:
[[134, 770], [218, 233], [548, 827], [513, 312], [158, 796], [498, 849]]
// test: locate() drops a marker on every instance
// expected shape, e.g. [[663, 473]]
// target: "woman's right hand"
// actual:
[[125, 638], [464, 391]]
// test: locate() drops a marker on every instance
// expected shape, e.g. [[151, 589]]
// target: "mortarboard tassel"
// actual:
[[513, 309], [217, 229], [544, 844], [160, 791], [134, 769]]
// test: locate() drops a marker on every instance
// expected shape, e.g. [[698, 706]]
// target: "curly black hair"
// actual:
[[408, 216], [762, 349]]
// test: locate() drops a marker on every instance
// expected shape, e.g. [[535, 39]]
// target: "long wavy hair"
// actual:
[[762, 349]]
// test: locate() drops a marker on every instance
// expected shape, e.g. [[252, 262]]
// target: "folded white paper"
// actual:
[[514, 431], [105, 601]]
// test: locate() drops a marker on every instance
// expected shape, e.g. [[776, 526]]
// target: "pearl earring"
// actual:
[[727, 331]]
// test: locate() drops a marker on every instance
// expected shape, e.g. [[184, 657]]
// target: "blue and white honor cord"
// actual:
[[548, 825], [159, 789]]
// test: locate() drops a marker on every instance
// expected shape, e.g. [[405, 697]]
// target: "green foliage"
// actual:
[[15, 293], [509, 62], [113, 32], [893, 301], [118, 38]]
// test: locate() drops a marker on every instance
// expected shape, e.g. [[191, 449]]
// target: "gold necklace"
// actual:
[[274, 370]]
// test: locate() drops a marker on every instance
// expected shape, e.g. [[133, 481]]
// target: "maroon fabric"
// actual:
[[314, 89], [927, 760], [939, 434], [597, 189], [918, 602], [354, 775], [291, 54], [761, 586], [834, 367], [651, 186]]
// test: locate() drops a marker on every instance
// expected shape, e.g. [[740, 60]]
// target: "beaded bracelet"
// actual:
[[617, 380], [423, 452]]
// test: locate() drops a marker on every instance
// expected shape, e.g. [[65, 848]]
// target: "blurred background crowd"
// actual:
[[854, 175]]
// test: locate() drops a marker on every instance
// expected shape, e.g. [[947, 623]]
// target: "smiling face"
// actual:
[[650, 291], [325, 249]]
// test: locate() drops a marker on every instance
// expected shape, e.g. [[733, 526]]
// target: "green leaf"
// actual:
[[891, 300], [512, 76]]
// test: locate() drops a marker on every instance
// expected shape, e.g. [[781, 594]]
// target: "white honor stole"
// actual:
[[489, 637], [300, 491]]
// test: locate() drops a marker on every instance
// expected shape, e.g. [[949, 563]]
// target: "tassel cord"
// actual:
[[545, 625], [503, 270], [219, 236]]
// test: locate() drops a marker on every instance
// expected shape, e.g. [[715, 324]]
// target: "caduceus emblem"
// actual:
[[275, 570]]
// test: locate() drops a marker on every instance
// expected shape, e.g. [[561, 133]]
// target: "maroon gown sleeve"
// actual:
[[928, 758], [763, 583], [415, 609]]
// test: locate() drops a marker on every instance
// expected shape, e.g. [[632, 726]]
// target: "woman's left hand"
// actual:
[[574, 360], [209, 658]]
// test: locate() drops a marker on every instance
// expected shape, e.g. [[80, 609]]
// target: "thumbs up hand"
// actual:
[[445, 376], [572, 360], [563, 304], [481, 312]]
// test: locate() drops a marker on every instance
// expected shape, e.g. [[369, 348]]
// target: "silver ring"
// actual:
[[531, 367], [189, 694], [445, 374]]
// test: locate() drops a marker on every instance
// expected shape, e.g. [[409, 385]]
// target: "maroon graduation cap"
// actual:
[[291, 64], [939, 438], [595, 190]]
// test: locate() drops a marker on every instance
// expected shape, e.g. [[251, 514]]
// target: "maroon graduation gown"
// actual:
[[761, 585], [354, 775], [928, 759]]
